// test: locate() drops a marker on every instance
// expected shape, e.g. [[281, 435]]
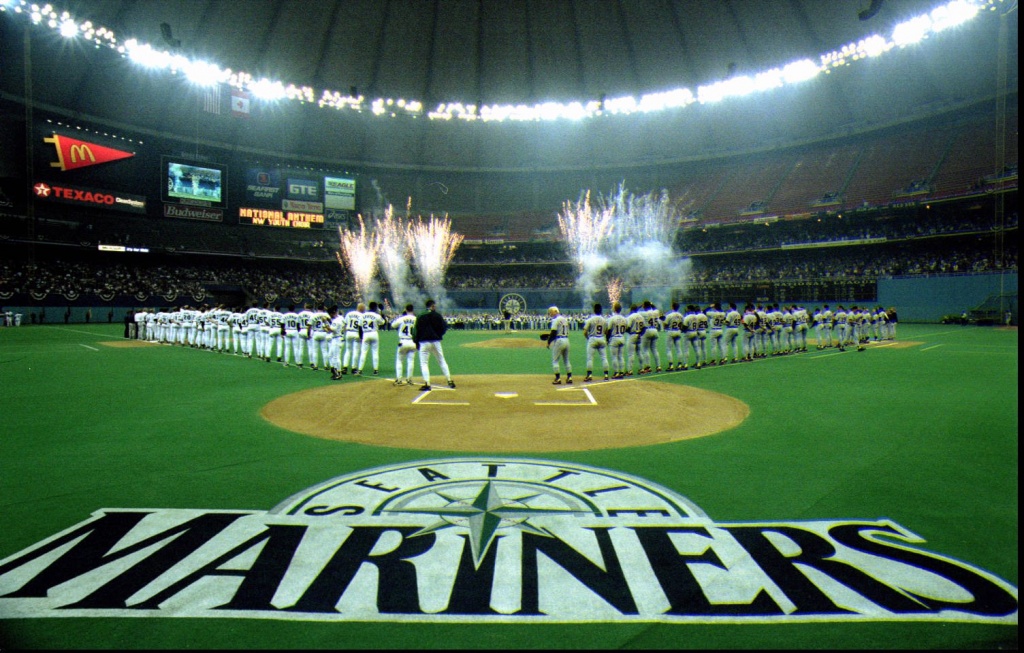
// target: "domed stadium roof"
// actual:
[[509, 52]]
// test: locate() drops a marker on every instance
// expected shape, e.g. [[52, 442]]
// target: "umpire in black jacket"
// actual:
[[430, 329]]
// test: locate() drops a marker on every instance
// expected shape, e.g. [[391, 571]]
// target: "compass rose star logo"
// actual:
[[484, 514]]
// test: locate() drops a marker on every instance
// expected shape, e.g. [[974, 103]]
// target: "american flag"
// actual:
[[211, 99]]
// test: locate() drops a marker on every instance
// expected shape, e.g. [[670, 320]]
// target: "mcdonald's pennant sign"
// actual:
[[73, 153]]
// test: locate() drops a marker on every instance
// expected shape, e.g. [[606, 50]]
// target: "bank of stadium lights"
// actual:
[[945, 16]]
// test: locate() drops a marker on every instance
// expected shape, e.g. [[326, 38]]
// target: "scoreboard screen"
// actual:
[[277, 218], [190, 183]]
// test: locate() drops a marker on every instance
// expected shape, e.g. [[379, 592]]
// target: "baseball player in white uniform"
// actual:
[[595, 330], [371, 323], [337, 342], [292, 323], [353, 337], [275, 336], [405, 354], [319, 339]]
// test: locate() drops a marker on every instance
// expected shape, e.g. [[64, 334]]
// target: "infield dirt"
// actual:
[[507, 413]]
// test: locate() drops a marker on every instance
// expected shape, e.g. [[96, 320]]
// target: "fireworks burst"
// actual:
[[433, 245], [584, 230], [614, 290], [360, 257], [641, 219], [391, 239]]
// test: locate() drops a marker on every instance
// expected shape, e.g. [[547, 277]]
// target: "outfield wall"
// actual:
[[929, 298], [916, 298]]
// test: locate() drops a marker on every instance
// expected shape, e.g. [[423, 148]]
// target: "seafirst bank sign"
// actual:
[[492, 540]]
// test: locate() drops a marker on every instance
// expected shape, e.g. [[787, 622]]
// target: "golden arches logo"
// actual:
[[73, 153], [79, 152]]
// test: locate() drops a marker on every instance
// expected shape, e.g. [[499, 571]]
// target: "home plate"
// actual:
[[506, 395]]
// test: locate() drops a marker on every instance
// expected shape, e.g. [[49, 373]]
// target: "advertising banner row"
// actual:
[[80, 167]]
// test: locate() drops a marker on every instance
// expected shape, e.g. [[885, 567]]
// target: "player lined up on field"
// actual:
[[340, 343], [627, 344]]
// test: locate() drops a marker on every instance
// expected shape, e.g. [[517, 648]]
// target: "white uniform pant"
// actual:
[[288, 348], [319, 353], [405, 354], [371, 344], [352, 346], [426, 349]]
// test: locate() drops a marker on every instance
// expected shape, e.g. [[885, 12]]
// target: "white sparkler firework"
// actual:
[[433, 245], [392, 240], [584, 230], [360, 257]]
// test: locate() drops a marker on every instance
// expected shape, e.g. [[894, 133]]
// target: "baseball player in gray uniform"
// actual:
[[595, 330], [558, 343], [618, 326], [649, 338], [674, 338]]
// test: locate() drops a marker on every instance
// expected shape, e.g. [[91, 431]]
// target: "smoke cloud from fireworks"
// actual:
[[626, 236]]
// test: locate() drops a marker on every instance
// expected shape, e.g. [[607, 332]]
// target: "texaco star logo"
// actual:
[[493, 540], [42, 190]]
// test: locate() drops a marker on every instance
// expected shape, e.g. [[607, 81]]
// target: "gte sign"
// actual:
[[492, 540], [303, 189]]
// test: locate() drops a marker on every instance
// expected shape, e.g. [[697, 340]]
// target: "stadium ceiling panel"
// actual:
[[480, 52]]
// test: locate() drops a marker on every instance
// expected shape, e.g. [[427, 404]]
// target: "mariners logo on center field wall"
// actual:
[[495, 540]]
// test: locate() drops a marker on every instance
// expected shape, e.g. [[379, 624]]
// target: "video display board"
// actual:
[[194, 183]]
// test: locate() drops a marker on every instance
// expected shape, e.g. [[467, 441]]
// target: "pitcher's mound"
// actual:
[[507, 413]]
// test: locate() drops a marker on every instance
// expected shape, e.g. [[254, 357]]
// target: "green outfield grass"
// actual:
[[925, 435]]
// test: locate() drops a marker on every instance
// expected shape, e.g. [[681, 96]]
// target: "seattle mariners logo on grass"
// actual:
[[492, 539]]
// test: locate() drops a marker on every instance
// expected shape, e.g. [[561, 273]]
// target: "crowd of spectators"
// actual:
[[298, 280], [921, 241]]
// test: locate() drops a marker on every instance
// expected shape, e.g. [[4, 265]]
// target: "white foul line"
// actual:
[[932, 347], [87, 347], [586, 391]]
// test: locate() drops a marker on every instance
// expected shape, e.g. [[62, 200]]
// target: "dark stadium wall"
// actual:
[[929, 298]]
